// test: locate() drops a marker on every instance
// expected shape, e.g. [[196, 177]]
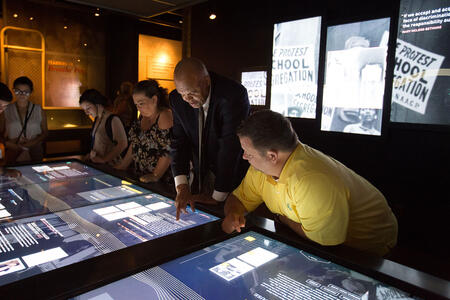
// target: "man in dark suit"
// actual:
[[215, 106]]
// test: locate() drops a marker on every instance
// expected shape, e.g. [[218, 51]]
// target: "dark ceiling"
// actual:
[[139, 8]]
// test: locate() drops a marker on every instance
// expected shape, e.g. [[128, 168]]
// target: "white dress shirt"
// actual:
[[182, 179]]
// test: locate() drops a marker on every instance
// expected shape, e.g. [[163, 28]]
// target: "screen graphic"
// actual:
[[58, 214], [255, 83], [355, 76], [421, 87], [58, 186], [249, 266], [295, 64], [38, 244]]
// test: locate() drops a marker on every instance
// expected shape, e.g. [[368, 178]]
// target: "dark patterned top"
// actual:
[[148, 146]]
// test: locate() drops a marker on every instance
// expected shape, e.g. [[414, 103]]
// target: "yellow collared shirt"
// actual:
[[334, 204]]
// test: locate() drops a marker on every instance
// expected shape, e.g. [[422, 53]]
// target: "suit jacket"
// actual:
[[221, 151]]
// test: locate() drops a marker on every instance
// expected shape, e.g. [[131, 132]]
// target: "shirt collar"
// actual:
[[208, 100], [286, 172]]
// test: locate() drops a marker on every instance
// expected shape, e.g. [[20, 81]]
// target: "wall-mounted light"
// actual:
[[15, 15], [78, 60], [97, 13], [31, 18], [181, 21], [65, 27], [85, 44], [163, 58], [212, 9]]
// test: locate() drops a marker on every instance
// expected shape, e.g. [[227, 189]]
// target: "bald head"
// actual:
[[192, 81], [189, 66]]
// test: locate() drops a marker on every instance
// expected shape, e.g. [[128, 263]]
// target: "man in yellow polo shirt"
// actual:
[[315, 195]]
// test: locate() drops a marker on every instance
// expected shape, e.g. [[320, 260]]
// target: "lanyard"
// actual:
[[24, 123]]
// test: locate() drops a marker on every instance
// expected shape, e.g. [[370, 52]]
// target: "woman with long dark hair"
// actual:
[[149, 136], [108, 136]]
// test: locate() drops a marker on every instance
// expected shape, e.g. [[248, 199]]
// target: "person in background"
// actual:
[[149, 136], [108, 136], [25, 125], [124, 106], [368, 120], [315, 195], [5, 99], [215, 106]]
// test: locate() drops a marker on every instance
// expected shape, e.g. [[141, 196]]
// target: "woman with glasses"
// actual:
[[108, 136], [25, 125]]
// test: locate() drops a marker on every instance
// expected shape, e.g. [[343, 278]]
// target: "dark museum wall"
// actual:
[[112, 37], [409, 163], [122, 46]]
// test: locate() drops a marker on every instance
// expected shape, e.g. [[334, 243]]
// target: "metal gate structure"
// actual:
[[21, 56]]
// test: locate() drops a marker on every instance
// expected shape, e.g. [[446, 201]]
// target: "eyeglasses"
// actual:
[[20, 92]]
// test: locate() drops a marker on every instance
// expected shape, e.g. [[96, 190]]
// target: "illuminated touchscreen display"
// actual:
[[51, 218], [355, 69], [52, 187], [248, 266], [37, 244]]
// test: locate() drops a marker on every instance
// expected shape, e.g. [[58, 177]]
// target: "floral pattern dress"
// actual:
[[148, 146]]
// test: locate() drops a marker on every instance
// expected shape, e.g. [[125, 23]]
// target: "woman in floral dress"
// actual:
[[149, 136]]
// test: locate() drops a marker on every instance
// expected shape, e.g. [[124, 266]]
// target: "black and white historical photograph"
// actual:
[[295, 63], [355, 76], [421, 87]]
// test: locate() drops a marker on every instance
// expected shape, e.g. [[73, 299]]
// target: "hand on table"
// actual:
[[12, 173], [148, 178], [26, 144], [95, 158], [233, 222], [183, 198]]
